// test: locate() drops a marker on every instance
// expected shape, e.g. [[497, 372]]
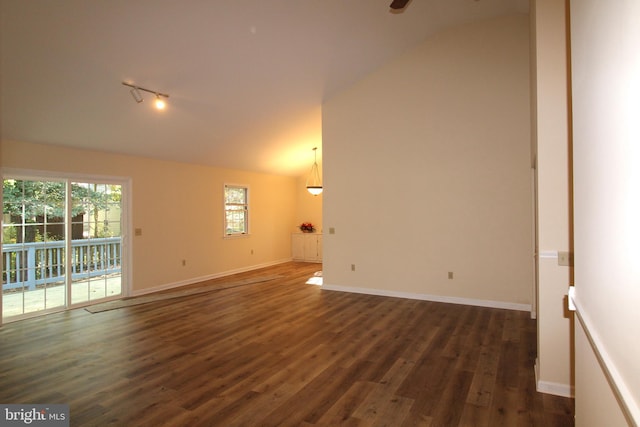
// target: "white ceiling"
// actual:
[[246, 78]]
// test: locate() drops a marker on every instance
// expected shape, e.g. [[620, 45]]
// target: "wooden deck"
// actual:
[[30, 302], [281, 353]]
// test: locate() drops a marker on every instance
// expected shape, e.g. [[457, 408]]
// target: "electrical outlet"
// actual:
[[251, 251], [184, 262], [138, 232], [353, 267], [332, 230], [451, 275]]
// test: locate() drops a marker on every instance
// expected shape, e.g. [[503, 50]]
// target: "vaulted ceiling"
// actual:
[[246, 78]]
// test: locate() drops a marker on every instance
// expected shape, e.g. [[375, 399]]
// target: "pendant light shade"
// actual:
[[314, 184]]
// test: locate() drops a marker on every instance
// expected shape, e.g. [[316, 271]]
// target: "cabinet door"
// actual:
[[310, 247], [297, 247], [319, 257]]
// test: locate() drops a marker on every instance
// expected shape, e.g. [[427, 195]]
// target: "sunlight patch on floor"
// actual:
[[316, 279]]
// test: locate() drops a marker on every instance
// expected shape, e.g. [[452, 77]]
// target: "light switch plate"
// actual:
[[565, 259]]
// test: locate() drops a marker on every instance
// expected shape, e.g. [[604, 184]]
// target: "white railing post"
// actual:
[[31, 268]]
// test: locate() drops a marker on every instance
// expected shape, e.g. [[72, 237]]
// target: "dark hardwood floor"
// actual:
[[281, 353]]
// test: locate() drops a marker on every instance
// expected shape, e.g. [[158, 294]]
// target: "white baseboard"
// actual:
[[548, 387], [564, 390], [427, 297], [194, 280]]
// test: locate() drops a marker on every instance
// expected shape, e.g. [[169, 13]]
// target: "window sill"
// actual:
[[235, 236]]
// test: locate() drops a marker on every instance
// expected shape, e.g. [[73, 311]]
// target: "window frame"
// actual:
[[245, 209]]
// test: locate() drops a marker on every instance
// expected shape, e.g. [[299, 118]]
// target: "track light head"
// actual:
[[137, 96], [160, 104]]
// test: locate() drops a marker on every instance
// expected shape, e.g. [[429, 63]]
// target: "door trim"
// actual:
[[126, 228]]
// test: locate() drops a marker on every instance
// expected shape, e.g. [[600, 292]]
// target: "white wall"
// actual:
[[551, 138], [427, 171], [606, 127]]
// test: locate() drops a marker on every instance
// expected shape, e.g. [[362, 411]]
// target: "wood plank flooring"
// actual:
[[281, 353]]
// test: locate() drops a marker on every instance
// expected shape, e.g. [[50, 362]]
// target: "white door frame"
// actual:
[[126, 226]]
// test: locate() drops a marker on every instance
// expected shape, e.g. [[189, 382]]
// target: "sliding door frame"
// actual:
[[126, 227]]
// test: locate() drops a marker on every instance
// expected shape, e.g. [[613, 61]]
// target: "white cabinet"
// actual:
[[306, 247], [297, 247]]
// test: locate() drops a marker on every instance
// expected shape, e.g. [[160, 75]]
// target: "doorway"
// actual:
[[62, 244]]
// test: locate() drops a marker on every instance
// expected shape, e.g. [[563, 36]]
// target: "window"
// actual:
[[236, 210]]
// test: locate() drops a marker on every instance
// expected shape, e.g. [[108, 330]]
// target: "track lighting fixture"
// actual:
[[159, 103]]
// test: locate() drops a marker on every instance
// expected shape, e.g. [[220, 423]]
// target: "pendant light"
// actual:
[[314, 185]]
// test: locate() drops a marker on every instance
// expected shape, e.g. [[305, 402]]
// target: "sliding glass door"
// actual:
[[61, 244], [33, 246], [96, 251]]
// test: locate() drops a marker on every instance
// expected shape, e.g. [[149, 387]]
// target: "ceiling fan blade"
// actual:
[[398, 4]]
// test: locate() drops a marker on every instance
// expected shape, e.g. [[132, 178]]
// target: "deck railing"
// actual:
[[31, 264]]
